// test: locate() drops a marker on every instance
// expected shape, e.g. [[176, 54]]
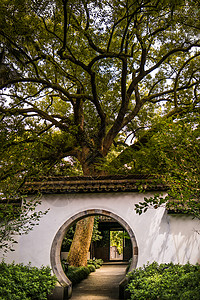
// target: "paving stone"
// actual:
[[102, 284]]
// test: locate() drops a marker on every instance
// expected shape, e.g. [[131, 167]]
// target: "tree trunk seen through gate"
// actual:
[[81, 242]]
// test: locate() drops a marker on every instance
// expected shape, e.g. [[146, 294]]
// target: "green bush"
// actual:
[[65, 265], [96, 262], [165, 282], [91, 268], [19, 282], [77, 274], [97, 266]]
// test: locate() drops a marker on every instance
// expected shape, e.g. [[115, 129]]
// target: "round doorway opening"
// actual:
[[55, 256]]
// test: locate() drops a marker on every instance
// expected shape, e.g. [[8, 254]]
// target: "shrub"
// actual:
[[165, 281], [65, 265], [20, 282], [77, 274], [97, 266], [96, 262], [91, 268]]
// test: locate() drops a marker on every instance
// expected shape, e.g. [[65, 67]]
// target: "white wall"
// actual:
[[160, 237]]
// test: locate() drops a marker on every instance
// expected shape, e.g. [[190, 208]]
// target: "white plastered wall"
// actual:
[[160, 237]]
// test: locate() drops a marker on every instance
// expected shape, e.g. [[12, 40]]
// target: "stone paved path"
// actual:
[[102, 284]]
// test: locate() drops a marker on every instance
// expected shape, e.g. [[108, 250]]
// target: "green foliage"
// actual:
[[87, 75], [96, 262], [174, 153], [18, 216], [20, 282], [91, 267], [66, 243], [105, 241], [96, 234], [116, 239], [165, 281], [152, 202], [77, 274]]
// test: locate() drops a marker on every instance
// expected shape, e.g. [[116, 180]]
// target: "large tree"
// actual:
[[80, 77]]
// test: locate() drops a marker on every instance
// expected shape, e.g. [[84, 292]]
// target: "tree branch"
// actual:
[[165, 57], [88, 36], [100, 111], [54, 86], [125, 156], [181, 49], [123, 109], [177, 77], [44, 115], [21, 51]]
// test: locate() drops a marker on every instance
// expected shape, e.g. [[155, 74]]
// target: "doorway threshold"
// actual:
[[116, 262]]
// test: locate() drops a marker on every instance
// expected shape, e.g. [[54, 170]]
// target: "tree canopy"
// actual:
[[174, 154], [78, 77]]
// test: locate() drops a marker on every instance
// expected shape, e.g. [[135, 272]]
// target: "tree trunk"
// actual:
[[81, 242], [83, 234]]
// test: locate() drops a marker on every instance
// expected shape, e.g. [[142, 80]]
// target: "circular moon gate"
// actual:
[[57, 243]]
